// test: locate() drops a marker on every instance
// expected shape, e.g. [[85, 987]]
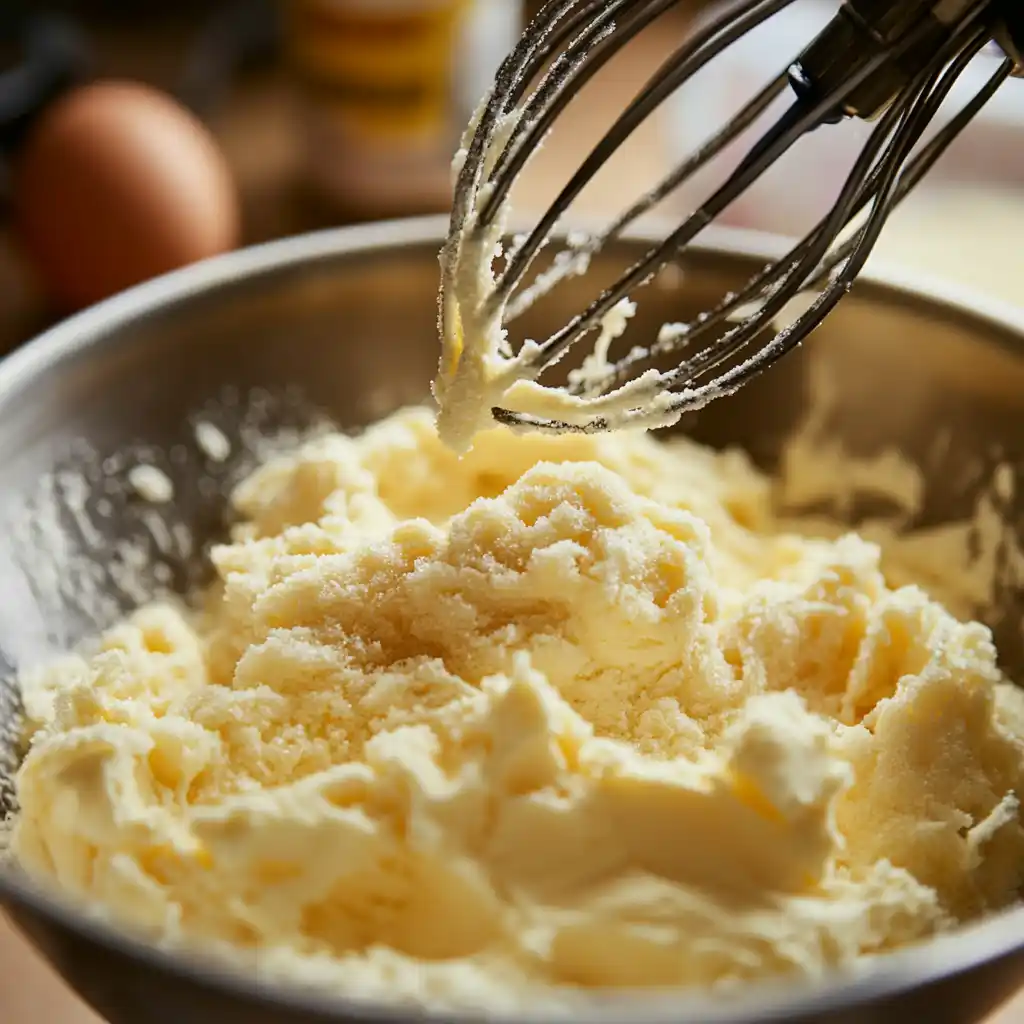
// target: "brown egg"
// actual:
[[116, 184]]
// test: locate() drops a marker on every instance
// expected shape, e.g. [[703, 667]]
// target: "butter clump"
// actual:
[[565, 712]]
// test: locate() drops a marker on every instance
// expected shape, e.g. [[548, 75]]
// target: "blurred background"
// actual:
[[135, 138], [139, 137]]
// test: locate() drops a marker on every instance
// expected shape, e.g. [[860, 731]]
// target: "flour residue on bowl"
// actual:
[[94, 539], [212, 440], [151, 484]]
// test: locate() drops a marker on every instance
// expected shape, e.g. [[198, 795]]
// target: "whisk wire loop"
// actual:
[[923, 95], [569, 42], [797, 120], [768, 278]]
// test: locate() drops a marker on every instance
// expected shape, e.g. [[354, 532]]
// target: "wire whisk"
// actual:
[[890, 61]]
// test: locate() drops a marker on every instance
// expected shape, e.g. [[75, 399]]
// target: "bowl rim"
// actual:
[[973, 946]]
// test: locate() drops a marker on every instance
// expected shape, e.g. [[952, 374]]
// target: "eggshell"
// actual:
[[116, 184]]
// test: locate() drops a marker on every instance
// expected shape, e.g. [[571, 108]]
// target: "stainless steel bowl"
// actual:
[[348, 318]]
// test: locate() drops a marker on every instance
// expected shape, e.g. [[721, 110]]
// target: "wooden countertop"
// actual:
[[256, 132]]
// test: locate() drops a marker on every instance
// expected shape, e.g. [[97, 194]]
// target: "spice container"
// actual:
[[385, 89]]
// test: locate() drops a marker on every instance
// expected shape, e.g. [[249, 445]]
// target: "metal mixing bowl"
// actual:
[[348, 319]]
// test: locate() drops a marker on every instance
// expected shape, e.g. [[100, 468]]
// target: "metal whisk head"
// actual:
[[892, 61]]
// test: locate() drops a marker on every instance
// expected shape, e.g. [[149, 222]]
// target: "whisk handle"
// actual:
[[864, 30], [1010, 35]]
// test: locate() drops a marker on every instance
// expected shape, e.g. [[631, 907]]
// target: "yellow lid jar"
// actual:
[[385, 89]]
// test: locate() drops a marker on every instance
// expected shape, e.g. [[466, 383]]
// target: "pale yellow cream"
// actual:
[[564, 712]]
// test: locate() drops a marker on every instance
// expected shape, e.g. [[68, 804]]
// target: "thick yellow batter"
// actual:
[[563, 712]]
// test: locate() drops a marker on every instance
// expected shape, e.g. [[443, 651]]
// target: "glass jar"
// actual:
[[386, 88]]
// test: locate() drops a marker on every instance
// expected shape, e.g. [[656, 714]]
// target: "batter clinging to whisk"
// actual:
[[890, 61]]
